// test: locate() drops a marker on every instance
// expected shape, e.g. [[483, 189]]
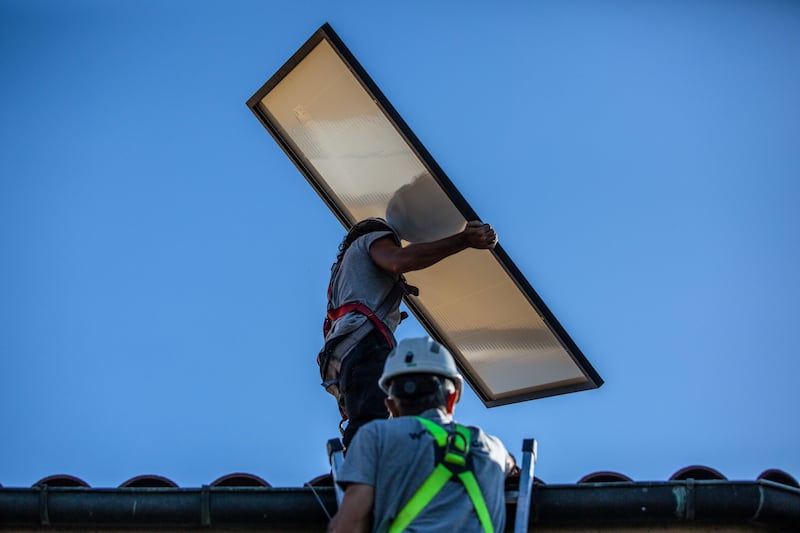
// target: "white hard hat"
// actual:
[[421, 355]]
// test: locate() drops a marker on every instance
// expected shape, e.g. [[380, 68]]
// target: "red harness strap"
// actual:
[[335, 314]]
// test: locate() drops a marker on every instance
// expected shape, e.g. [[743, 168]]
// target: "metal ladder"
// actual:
[[335, 457], [529, 451]]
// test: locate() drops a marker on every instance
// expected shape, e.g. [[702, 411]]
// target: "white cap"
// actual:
[[421, 355]]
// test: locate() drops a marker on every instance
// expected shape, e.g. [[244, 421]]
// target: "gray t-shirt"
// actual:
[[396, 456], [359, 279]]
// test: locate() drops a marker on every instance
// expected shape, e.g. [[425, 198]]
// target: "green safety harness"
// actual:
[[453, 450]]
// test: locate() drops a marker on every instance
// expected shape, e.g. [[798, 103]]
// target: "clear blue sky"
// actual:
[[163, 264]]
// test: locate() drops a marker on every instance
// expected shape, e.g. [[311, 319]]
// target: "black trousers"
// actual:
[[361, 396]]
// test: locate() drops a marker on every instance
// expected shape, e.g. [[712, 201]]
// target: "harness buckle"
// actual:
[[456, 452]]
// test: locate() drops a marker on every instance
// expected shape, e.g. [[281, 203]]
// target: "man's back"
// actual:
[[359, 279], [396, 456]]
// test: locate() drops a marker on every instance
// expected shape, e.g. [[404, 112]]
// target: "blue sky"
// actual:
[[163, 265]]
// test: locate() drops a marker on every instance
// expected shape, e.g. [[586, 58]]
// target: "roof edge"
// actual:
[[601, 505]]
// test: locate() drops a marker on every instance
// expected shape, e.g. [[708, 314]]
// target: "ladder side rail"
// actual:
[[336, 457], [529, 450]]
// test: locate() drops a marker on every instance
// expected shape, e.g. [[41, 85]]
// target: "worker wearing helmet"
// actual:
[[364, 296], [419, 470]]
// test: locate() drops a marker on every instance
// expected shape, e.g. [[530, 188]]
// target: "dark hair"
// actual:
[[415, 393], [360, 229]]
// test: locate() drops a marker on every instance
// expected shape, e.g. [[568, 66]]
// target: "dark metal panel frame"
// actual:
[[326, 33]]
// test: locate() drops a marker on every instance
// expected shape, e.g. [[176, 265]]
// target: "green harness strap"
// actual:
[[454, 461]]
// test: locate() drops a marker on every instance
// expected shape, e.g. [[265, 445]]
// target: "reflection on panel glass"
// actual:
[[363, 164], [354, 151]]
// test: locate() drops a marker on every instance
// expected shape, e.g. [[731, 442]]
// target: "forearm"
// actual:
[[417, 256], [338, 525], [355, 513], [399, 260]]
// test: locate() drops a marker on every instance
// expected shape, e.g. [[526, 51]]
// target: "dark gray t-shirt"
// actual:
[[359, 279], [396, 456]]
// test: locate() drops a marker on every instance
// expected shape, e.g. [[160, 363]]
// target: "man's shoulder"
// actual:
[[482, 440], [393, 430], [394, 425], [414, 429], [365, 241]]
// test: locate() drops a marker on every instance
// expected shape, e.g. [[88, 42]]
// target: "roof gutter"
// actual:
[[760, 503], [599, 505]]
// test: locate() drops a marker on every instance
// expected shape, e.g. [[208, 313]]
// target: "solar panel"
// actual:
[[363, 160]]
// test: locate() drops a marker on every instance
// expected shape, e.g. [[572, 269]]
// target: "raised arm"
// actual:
[[399, 260]]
